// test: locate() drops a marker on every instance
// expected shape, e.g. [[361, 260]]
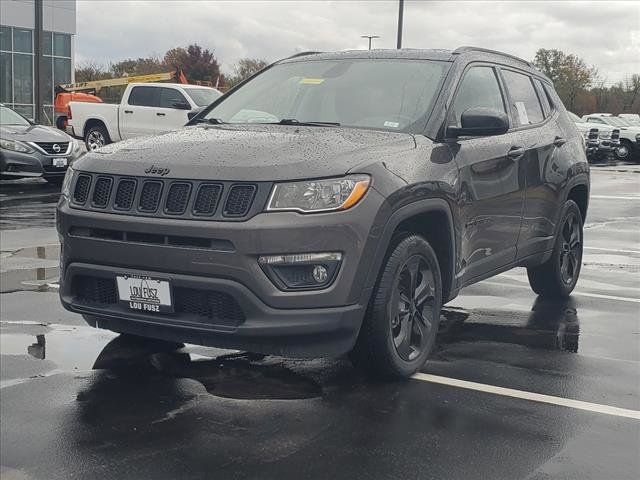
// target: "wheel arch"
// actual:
[[431, 218], [579, 193]]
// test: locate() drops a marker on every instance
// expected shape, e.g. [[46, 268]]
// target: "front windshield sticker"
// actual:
[[522, 113], [311, 81], [391, 124]]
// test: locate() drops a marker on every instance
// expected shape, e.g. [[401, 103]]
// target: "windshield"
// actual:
[[616, 122], [384, 94], [203, 96], [9, 117]]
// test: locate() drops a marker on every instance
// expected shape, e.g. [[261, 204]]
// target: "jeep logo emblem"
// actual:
[[56, 148], [153, 170]]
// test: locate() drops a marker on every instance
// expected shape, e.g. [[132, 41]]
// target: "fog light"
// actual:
[[301, 271]]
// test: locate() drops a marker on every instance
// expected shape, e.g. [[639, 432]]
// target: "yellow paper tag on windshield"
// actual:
[[312, 81]]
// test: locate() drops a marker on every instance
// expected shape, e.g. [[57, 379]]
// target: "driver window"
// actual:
[[478, 88]]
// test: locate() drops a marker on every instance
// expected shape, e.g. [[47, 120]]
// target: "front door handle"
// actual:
[[128, 111], [160, 114], [515, 152], [559, 141]]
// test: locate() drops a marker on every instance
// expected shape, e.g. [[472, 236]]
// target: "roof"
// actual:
[[167, 84], [469, 53]]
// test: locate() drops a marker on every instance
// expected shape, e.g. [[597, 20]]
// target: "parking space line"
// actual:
[[531, 396], [579, 294], [612, 250], [616, 197]]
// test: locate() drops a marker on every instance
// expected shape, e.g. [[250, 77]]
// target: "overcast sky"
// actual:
[[605, 33]]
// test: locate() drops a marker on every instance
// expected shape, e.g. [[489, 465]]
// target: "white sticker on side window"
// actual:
[[522, 113], [391, 124]]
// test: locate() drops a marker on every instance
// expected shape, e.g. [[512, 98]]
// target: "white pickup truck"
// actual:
[[145, 109]]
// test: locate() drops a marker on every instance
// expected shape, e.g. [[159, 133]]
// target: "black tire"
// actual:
[[96, 136], [625, 151], [557, 277], [393, 316]]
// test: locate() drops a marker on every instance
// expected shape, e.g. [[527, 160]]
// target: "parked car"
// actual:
[[145, 109], [331, 204], [632, 118], [30, 150], [629, 134], [602, 147]]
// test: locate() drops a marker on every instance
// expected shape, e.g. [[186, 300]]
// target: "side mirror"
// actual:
[[182, 106], [480, 122]]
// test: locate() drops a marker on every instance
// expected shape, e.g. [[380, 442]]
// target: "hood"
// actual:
[[248, 152], [33, 133]]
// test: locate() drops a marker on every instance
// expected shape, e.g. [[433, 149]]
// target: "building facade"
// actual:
[[17, 52]]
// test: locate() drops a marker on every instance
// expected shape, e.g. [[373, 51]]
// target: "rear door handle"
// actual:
[[559, 141], [128, 111], [515, 152], [160, 114]]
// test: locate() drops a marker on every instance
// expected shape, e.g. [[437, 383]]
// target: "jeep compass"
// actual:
[[330, 204]]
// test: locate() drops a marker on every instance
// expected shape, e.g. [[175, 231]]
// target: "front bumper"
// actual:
[[19, 165], [291, 323]]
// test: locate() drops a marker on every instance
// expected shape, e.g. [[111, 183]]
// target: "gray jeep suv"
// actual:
[[329, 204]]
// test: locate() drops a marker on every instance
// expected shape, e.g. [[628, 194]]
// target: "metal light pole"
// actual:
[[370, 37], [400, 14], [38, 79]]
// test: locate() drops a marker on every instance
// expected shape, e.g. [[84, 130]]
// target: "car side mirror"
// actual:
[[182, 106], [480, 122]]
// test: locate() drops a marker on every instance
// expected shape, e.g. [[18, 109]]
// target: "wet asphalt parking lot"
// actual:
[[518, 388]]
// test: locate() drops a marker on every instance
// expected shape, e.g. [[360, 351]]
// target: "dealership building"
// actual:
[[18, 68]]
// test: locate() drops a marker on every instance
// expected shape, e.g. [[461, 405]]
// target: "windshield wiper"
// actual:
[[212, 121], [293, 121]]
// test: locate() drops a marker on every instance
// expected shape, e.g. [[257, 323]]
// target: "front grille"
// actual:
[[125, 193], [50, 148], [150, 196], [102, 192], [207, 199], [177, 198], [81, 192], [239, 200], [169, 198], [216, 307]]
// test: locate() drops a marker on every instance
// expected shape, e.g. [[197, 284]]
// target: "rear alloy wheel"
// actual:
[[623, 151], [96, 137], [400, 329], [557, 277]]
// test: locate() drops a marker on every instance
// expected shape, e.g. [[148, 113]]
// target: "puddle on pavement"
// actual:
[[40, 279], [237, 375]]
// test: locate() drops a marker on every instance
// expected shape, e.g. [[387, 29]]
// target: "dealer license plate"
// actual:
[[143, 293], [60, 162]]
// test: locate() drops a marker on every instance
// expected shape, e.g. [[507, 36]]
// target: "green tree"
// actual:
[[245, 68], [569, 73], [198, 64]]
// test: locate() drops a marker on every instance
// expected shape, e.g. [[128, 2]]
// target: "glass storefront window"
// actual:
[[62, 45], [61, 70], [5, 38], [46, 43], [23, 78], [6, 78], [22, 40]]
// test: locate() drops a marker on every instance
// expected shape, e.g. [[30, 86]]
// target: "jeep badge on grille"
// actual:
[[153, 170]]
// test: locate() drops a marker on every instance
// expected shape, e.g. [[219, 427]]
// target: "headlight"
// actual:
[[15, 146], [312, 196], [604, 134], [66, 183]]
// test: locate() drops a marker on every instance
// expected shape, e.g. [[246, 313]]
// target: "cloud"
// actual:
[[605, 33]]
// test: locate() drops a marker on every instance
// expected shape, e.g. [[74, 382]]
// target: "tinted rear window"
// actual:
[[144, 96]]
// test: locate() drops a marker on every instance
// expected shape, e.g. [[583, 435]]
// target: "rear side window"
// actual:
[[170, 96], [524, 101], [478, 88], [544, 98], [144, 96]]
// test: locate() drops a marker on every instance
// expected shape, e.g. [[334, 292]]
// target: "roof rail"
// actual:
[[302, 54], [466, 49]]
